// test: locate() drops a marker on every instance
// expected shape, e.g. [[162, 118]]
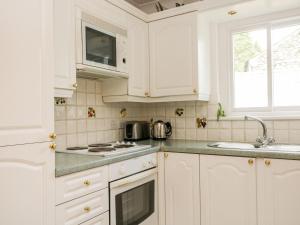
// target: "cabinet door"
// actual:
[[138, 83], [64, 47], [26, 62], [98, 220], [228, 190], [182, 189], [173, 55], [278, 192], [27, 185]]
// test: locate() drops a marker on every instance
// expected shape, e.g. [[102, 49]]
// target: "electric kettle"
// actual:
[[161, 130]]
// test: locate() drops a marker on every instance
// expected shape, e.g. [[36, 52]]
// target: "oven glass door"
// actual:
[[99, 47], [135, 205], [134, 199]]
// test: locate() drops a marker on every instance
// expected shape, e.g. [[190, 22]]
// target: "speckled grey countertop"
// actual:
[[71, 163], [200, 147], [66, 163]]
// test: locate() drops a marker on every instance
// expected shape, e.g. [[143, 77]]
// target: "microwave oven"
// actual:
[[103, 46]]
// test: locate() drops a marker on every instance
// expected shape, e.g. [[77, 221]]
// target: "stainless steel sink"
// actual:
[[231, 145], [288, 148], [244, 146]]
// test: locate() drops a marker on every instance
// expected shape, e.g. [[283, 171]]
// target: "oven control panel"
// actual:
[[132, 166]]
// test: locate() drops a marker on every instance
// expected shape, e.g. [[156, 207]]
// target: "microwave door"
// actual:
[[99, 47]]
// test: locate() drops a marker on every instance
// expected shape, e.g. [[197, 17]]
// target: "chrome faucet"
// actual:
[[265, 140]]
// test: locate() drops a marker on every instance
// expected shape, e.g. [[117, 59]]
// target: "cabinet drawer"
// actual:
[[79, 184], [82, 209], [99, 220]]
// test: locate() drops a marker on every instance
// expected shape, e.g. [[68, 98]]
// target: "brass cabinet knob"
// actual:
[[87, 209], [267, 162], [75, 85], [87, 183], [250, 162], [166, 155], [195, 91], [52, 146], [52, 136], [146, 94]]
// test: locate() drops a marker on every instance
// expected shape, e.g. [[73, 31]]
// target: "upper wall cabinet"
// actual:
[[26, 80], [64, 46], [136, 88], [138, 57], [179, 57]]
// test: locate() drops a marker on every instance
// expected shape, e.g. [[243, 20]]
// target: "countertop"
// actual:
[[70, 163], [67, 163], [200, 147]]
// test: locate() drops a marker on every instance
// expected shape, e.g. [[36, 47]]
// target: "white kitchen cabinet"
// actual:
[[138, 82], [64, 48], [99, 220], [136, 87], [82, 209], [79, 184], [27, 185], [228, 190], [26, 81], [181, 180], [278, 192], [179, 57]]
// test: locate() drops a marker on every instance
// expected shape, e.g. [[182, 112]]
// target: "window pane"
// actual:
[[250, 69], [286, 65]]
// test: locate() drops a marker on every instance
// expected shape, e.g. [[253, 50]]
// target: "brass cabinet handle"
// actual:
[[87, 183], [75, 85], [87, 209], [52, 146], [250, 162], [267, 162], [195, 91], [52, 136], [147, 94], [166, 155]]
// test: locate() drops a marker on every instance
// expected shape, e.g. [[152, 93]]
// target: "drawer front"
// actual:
[[132, 166], [82, 209], [99, 220], [79, 184]]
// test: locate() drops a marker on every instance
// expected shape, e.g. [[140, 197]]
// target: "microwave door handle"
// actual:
[[133, 178]]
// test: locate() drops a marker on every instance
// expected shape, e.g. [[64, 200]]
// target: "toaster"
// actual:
[[136, 130]]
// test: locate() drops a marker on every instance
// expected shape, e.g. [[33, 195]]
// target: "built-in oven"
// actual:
[[133, 199], [102, 45]]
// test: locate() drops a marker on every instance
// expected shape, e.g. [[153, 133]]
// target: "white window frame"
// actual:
[[226, 73]]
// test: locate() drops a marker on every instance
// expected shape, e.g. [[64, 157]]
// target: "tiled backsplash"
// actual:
[[74, 127], [185, 127]]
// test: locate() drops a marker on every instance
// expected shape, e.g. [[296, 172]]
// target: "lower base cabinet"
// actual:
[[99, 220], [83, 198], [233, 190], [27, 185], [228, 190], [181, 180], [278, 185], [82, 209]]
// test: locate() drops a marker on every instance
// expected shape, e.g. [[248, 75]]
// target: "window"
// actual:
[[266, 68]]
